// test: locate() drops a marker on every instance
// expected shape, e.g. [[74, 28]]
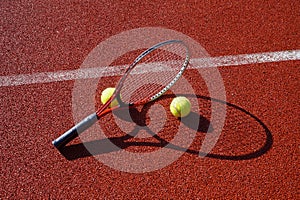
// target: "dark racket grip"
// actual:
[[75, 131]]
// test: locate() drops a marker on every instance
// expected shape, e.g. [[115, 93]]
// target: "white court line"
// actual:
[[86, 73]]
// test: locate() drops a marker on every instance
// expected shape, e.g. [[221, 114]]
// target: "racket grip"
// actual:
[[75, 131]]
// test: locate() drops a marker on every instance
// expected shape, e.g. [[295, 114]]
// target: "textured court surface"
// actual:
[[257, 154]]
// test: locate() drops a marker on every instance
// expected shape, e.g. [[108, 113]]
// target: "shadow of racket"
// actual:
[[112, 144]]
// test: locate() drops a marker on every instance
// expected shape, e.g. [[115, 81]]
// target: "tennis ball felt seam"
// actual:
[[176, 106], [177, 110]]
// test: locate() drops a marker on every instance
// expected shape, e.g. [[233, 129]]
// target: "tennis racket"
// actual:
[[163, 63]]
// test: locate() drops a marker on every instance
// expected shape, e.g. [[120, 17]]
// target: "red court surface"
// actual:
[[257, 154]]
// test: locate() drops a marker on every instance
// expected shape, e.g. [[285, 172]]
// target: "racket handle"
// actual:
[[75, 131]]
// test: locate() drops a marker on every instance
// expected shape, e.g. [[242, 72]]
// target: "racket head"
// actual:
[[153, 72]]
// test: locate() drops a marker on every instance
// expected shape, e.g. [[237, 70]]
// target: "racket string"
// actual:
[[154, 72]]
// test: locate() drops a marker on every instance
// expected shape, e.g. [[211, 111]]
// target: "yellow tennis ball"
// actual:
[[180, 106], [106, 94]]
